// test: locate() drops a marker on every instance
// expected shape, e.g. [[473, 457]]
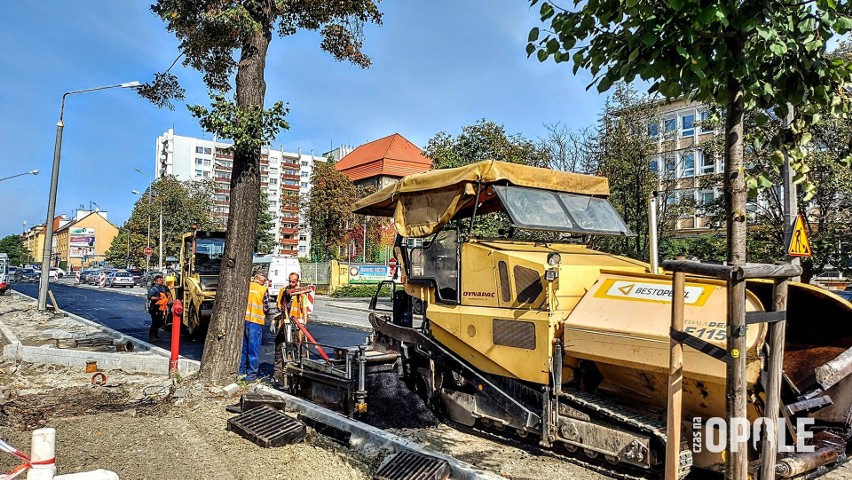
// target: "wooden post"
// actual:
[[775, 339], [675, 404], [736, 467]]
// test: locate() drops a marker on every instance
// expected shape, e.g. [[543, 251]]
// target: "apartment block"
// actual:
[[285, 179]]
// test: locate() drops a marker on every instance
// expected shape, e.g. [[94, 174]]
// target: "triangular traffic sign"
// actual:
[[799, 245]]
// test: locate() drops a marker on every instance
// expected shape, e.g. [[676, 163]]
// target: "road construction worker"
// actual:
[[260, 307], [294, 307], [158, 301]]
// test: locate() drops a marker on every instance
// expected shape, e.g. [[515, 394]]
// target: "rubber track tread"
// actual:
[[621, 415]]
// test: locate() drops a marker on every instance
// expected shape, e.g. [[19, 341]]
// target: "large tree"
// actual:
[[329, 210], [220, 38], [742, 54], [13, 246]]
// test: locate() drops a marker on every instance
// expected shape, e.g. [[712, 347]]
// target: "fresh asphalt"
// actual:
[[126, 314]]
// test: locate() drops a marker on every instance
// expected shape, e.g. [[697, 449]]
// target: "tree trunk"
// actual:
[[223, 346], [735, 199]]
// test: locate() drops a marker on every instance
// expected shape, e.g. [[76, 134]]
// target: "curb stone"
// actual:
[[150, 358]]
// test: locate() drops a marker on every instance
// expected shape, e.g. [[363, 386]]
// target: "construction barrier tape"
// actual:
[[99, 379], [28, 464]]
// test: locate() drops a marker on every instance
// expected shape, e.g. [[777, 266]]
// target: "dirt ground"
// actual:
[[144, 427]]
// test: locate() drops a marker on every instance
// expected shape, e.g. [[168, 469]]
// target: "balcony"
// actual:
[[282, 251], [289, 231], [289, 241], [285, 176], [285, 219]]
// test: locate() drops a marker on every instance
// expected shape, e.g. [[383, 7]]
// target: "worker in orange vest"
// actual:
[[260, 307]]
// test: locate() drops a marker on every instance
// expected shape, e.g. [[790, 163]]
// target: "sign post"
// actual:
[[392, 267]]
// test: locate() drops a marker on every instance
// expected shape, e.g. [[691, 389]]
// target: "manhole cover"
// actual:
[[267, 427], [413, 466]]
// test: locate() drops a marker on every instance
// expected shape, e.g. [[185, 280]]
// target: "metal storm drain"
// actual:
[[413, 466], [267, 427]]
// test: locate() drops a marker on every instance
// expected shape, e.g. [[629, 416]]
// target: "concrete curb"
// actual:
[[151, 359], [361, 433]]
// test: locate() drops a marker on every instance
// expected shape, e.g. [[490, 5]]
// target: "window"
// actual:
[[206, 162], [705, 120], [303, 238], [670, 125], [687, 125], [706, 197], [306, 174], [273, 181], [302, 248], [304, 184], [304, 164], [706, 165], [206, 174], [671, 165], [687, 161], [653, 129], [671, 198], [198, 173], [199, 161], [207, 150], [655, 165], [199, 150]]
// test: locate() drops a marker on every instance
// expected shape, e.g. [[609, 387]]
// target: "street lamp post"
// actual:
[[44, 281], [136, 192], [31, 172], [150, 191]]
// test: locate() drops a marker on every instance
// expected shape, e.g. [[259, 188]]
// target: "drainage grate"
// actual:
[[413, 466], [252, 400], [267, 427]]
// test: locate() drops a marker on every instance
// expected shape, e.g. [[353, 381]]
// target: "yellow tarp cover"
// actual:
[[421, 204]]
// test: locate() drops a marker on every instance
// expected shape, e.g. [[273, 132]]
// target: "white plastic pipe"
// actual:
[[43, 448], [93, 475]]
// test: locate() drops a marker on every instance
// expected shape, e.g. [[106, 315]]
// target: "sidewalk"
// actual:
[[44, 337]]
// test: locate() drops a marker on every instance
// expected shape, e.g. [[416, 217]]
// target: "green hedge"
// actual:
[[352, 291]]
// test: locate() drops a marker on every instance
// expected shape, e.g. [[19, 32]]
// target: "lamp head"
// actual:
[[34, 172], [132, 84], [135, 192]]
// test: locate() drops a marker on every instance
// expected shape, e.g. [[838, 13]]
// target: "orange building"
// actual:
[[382, 162], [374, 166]]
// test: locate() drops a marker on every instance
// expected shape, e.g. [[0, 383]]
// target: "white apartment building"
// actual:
[[285, 178]]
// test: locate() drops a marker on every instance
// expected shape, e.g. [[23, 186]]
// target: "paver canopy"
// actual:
[[421, 204]]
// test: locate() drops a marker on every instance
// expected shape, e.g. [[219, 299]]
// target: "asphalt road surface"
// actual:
[[126, 314]]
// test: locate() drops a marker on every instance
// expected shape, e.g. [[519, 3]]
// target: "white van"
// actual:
[[278, 269]]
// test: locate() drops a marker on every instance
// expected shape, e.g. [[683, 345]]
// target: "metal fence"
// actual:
[[316, 273]]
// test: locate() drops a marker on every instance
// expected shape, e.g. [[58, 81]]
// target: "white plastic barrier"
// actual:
[[102, 279], [41, 463], [76, 277]]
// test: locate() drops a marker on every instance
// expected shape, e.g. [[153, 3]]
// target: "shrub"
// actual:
[[353, 291]]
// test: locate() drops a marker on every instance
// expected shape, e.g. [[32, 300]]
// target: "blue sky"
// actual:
[[437, 66]]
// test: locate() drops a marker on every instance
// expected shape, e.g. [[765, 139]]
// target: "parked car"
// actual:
[[120, 278], [57, 272], [25, 275], [137, 274]]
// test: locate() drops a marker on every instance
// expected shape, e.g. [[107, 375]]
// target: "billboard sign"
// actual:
[[371, 273], [80, 252]]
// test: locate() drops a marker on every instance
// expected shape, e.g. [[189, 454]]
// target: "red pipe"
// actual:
[[177, 311]]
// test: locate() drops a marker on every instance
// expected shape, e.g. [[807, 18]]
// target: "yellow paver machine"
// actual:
[[536, 335]]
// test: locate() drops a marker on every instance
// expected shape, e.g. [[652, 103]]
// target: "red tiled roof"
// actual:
[[392, 156]]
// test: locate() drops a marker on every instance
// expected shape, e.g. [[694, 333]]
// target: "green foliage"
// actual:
[[13, 246], [772, 52], [360, 291], [265, 237], [706, 247], [250, 127], [484, 140], [329, 210], [184, 204]]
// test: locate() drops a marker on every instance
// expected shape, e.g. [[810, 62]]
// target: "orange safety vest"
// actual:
[[254, 309]]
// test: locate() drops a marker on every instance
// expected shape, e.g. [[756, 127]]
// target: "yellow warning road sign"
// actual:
[[799, 245]]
